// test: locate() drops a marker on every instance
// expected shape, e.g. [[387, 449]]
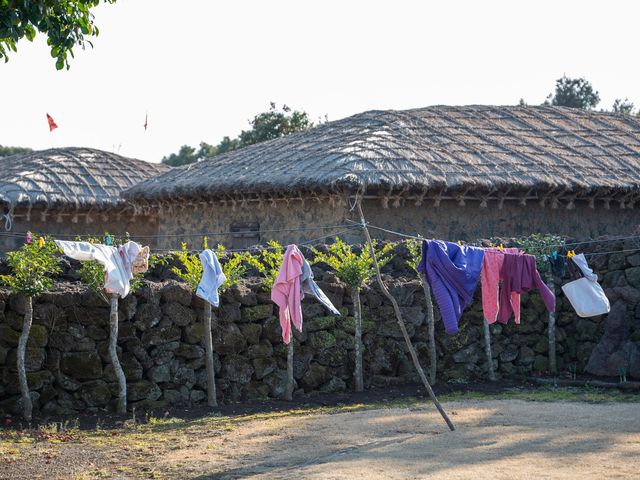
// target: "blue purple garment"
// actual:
[[453, 272]]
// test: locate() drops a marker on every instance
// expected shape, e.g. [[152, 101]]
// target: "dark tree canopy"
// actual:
[[273, 124], [66, 23], [268, 125], [188, 154], [8, 151], [624, 107], [574, 93]]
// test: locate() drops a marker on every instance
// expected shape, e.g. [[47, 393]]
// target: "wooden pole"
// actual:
[[27, 407], [487, 349], [431, 330], [208, 345], [113, 354], [552, 329], [401, 324], [355, 297], [288, 392]]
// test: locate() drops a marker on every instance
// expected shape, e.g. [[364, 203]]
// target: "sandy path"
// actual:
[[506, 439]]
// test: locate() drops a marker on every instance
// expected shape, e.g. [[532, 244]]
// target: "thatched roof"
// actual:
[[441, 149], [70, 178]]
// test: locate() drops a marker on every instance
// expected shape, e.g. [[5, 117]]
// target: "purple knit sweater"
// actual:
[[453, 272], [520, 275]]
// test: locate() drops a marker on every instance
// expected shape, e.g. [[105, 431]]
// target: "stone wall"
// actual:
[[298, 222], [161, 331], [142, 228]]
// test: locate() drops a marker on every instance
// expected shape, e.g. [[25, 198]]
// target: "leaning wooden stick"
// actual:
[[403, 329]]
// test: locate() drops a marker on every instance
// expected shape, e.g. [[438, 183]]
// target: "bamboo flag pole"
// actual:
[[401, 324]]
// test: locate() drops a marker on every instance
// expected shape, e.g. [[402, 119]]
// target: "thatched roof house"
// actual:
[[466, 160], [70, 191]]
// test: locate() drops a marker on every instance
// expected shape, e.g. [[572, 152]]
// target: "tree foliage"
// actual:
[[6, 151], [67, 24], [32, 267], [187, 155], [233, 266], [574, 93], [624, 107], [274, 123], [355, 269], [414, 247], [268, 263], [541, 246], [191, 270], [268, 125]]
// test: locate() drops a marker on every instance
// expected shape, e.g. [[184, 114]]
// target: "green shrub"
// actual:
[[32, 267]]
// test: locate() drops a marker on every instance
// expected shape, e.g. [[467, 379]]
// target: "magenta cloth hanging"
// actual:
[[520, 275], [286, 292], [490, 280], [453, 271]]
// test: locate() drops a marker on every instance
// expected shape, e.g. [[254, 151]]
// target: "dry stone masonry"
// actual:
[[161, 329]]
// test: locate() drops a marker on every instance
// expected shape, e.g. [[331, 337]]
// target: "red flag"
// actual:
[[52, 124], [146, 116]]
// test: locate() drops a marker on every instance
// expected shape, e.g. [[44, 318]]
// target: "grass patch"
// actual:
[[548, 394]]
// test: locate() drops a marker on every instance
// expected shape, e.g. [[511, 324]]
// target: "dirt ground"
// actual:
[[495, 438], [508, 439]]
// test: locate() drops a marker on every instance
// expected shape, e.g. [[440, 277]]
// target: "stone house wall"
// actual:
[[161, 329], [143, 228], [298, 222]]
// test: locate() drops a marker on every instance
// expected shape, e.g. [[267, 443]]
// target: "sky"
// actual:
[[201, 69]]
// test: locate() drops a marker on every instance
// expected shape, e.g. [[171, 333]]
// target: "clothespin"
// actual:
[[459, 243], [107, 239], [501, 247], [554, 255], [571, 253], [545, 258], [41, 242], [28, 239]]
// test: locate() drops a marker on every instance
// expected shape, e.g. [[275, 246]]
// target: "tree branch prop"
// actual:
[[401, 324]]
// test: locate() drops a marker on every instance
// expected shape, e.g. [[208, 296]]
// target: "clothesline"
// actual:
[[345, 228], [405, 235], [269, 247]]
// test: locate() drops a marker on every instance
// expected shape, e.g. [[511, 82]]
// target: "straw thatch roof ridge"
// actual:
[[70, 177], [438, 148]]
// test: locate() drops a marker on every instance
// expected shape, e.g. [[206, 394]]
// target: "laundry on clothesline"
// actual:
[[293, 280], [310, 287], [490, 280], [558, 265], [520, 275], [212, 278], [453, 271], [585, 294], [120, 263]]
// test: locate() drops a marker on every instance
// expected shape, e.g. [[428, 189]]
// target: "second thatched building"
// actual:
[[68, 192]]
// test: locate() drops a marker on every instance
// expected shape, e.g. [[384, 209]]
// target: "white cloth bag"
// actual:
[[585, 294]]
